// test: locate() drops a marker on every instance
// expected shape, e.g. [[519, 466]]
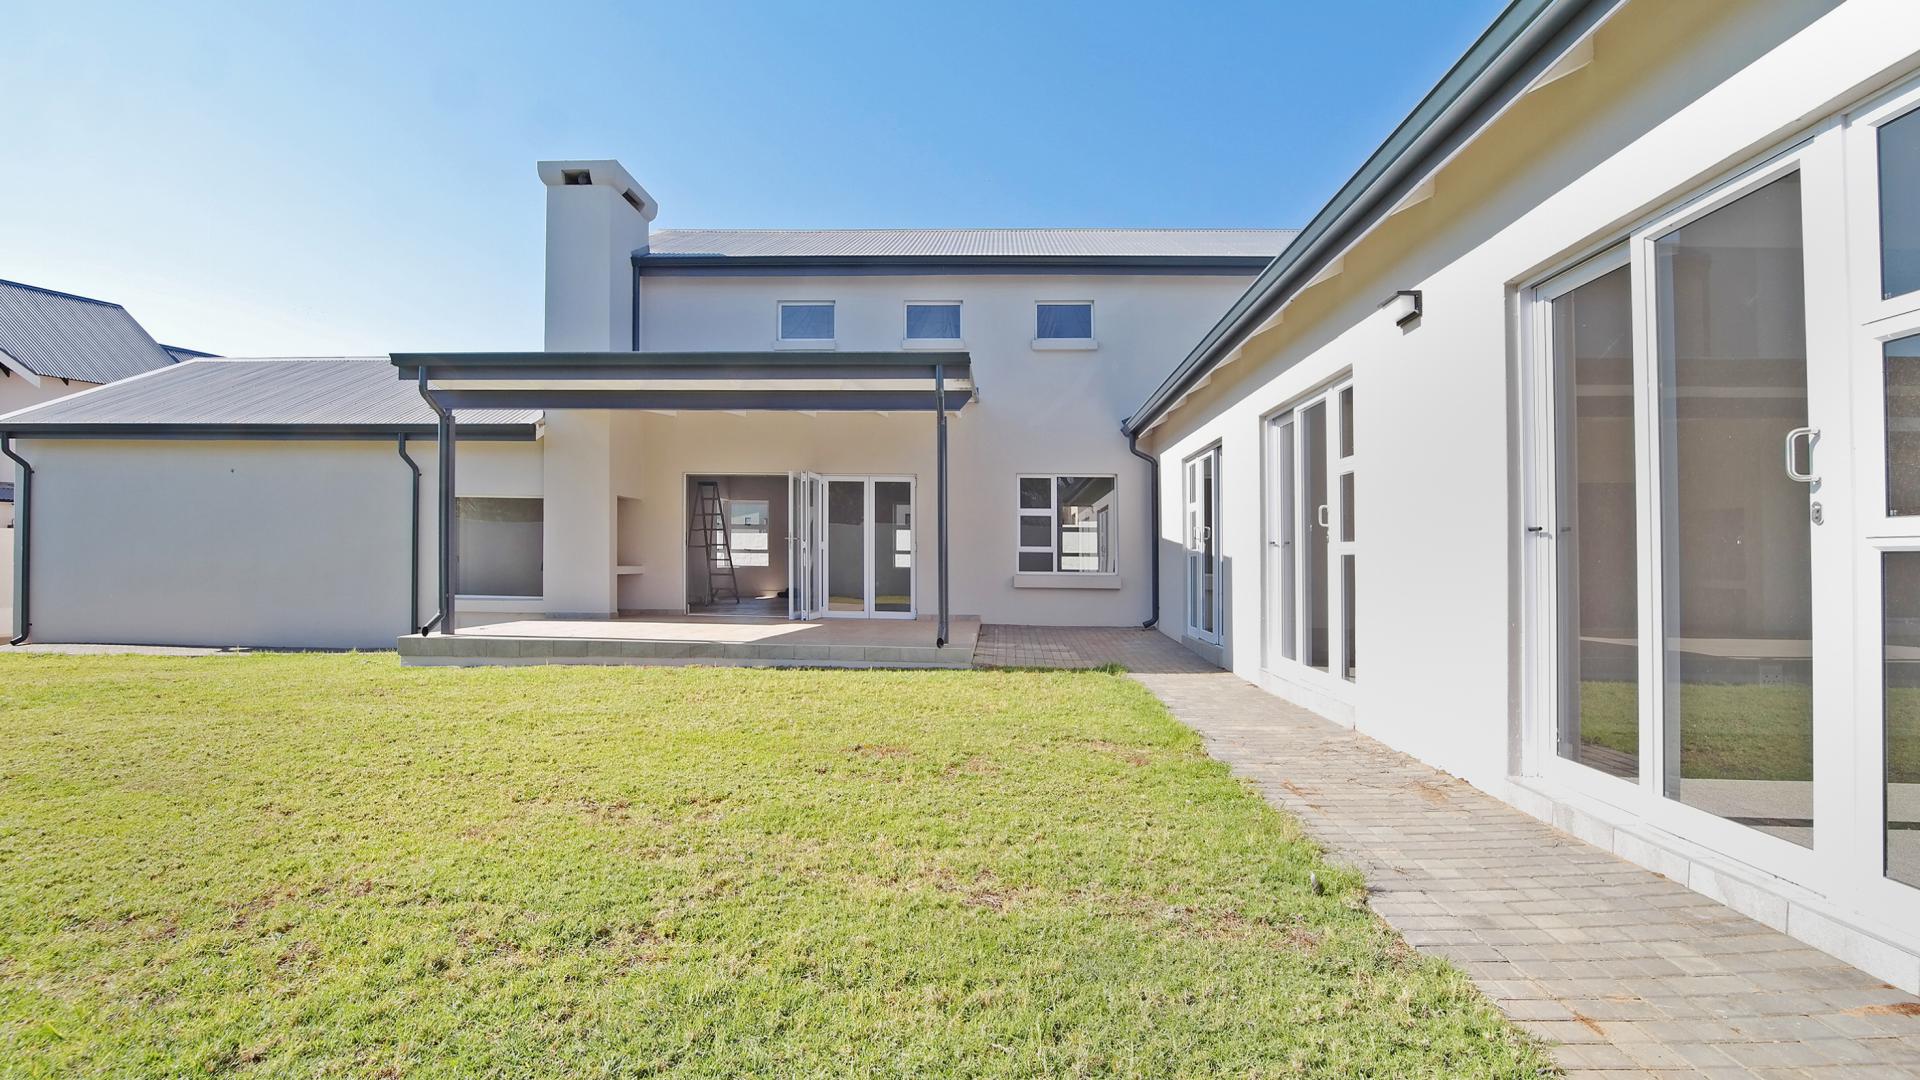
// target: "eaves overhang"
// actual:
[[1523, 42], [824, 381]]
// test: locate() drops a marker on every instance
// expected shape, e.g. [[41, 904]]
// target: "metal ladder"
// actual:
[[708, 529]]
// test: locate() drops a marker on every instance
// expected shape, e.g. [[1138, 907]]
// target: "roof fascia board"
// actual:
[[1524, 41], [715, 364]]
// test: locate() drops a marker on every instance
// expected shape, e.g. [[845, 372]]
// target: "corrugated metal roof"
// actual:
[[181, 352], [62, 336], [290, 393], [971, 243]]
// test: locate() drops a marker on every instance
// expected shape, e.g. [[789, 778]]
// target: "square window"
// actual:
[[933, 322], [499, 543], [808, 321], [1063, 322], [1067, 524]]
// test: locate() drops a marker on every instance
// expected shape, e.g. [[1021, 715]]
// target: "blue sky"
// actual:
[[279, 179]]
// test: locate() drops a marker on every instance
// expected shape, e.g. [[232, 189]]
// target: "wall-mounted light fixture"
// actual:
[[1404, 306]]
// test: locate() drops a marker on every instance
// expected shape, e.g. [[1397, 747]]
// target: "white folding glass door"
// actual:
[[1690, 604], [806, 498], [866, 553], [1202, 517], [1311, 540]]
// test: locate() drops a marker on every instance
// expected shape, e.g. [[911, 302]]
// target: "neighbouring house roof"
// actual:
[[295, 397], [1123, 248], [182, 353], [61, 336], [1524, 42]]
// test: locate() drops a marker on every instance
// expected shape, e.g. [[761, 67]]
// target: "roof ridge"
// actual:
[[63, 295]]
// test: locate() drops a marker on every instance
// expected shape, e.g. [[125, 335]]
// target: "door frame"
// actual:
[[1191, 512], [1285, 485], [867, 547]]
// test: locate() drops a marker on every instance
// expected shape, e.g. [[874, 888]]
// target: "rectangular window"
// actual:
[[1902, 357], [1063, 322], [749, 528], [933, 322], [1900, 206], [500, 546], [809, 320], [1066, 524]]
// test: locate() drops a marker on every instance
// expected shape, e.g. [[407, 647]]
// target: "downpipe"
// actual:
[[22, 519], [413, 549], [1153, 523]]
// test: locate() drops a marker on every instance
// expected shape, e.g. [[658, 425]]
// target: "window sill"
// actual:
[[945, 344], [1067, 580], [1065, 344], [819, 345]]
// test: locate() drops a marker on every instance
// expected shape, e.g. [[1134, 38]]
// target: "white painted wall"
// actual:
[[280, 544], [1677, 96], [1040, 411]]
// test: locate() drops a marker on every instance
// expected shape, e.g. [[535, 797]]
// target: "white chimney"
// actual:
[[597, 218]]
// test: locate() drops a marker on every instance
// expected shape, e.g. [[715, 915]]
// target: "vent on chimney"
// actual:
[[577, 177], [634, 202]]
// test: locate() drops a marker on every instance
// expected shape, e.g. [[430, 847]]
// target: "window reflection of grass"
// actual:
[[1743, 732]]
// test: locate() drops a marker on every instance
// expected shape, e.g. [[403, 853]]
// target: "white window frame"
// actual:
[[1085, 344], [1052, 513], [779, 326], [933, 343]]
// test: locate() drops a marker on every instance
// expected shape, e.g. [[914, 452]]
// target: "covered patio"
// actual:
[[820, 385], [696, 639]]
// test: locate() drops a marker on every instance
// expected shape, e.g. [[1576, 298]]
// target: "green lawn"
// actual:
[[333, 866]]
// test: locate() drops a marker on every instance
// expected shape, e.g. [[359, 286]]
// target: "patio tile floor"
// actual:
[[1624, 972]]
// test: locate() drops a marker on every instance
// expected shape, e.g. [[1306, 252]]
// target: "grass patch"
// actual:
[[329, 865]]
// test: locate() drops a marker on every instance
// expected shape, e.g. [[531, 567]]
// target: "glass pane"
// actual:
[[1346, 506], [1346, 613], [1036, 562], [892, 545], [1313, 438], [1209, 544], [1036, 493], [806, 322], [1036, 531], [499, 546], [1064, 321], [749, 531], [1282, 550], [846, 545], [1597, 601], [1900, 205], [1903, 425], [1902, 663], [1346, 422], [1738, 700], [1086, 524], [933, 321]]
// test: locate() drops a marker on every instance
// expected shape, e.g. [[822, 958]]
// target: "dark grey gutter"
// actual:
[[413, 548], [264, 432], [22, 543], [1153, 524], [708, 364], [748, 265], [1522, 43]]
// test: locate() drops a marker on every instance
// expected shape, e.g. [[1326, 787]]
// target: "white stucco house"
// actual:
[[1569, 448]]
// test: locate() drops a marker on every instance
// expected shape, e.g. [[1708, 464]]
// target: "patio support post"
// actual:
[[449, 560], [940, 472]]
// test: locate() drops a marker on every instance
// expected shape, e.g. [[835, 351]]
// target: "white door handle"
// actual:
[[1323, 515], [1793, 472]]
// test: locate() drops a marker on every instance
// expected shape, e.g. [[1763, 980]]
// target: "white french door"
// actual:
[[1690, 584], [1311, 541], [1202, 528], [857, 557]]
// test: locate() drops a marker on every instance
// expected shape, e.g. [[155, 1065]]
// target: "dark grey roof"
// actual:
[[182, 353], [1524, 40], [970, 243], [302, 396], [62, 336]]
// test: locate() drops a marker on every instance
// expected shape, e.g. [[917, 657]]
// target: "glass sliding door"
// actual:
[[1202, 542], [893, 546], [1591, 528], [1313, 538], [1729, 324], [846, 556]]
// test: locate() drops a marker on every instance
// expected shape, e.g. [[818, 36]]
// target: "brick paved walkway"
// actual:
[[1625, 972]]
